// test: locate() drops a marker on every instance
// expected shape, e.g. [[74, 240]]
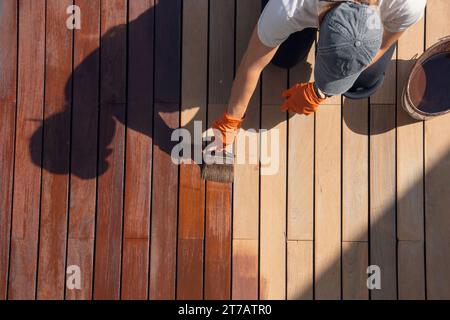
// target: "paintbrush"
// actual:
[[218, 166]]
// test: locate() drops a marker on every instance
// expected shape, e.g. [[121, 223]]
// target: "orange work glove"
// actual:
[[228, 127], [302, 99]]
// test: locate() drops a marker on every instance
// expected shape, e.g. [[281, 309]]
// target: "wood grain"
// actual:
[[386, 94], [218, 195], [8, 99], [437, 174], [411, 266], [246, 176], [27, 174], [273, 186], [301, 162], [108, 245], [383, 251], [56, 152], [137, 197], [355, 197], [165, 172], [83, 182], [410, 176], [410, 207], [245, 269], [355, 170], [328, 203], [300, 270], [192, 188], [354, 266]]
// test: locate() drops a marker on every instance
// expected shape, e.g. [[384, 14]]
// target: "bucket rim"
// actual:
[[423, 58]]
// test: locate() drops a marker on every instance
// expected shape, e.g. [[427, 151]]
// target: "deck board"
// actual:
[[111, 152], [192, 188], [8, 99], [218, 195], [138, 161], [88, 179], [246, 178], [410, 177], [437, 164], [27, 174], [83, 182], [166, 118], [56, 152]]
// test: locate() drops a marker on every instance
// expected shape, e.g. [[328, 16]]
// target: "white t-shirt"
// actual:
[[281, 18]]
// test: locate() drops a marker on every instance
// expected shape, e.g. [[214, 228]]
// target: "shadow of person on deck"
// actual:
[[353, 121], [125, 98]]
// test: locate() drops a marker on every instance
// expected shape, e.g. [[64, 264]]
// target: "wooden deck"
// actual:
[[86, 176]]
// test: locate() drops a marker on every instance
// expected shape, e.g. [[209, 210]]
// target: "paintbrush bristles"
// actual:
[[223, 173]]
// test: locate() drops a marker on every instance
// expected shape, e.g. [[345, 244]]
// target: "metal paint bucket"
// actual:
[[427, 91]]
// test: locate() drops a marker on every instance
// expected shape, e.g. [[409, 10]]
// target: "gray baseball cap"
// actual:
[[350, 37]]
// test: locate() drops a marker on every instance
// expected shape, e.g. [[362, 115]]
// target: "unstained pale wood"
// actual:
[[411, 266], [273, 186], [301, 162], [245, 269], [355, 170], [437, 174], [328, 203], [410, 176], [382, 198], [246, 177], [300, 270], [409, 144], [354, 270]]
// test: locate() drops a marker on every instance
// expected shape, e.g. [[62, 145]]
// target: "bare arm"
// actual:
[[255, 59], [389, 38]]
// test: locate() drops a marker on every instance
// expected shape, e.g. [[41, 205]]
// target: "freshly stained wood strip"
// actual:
[[165, 173], [192, 188], [246, 177], [410, 175], [83, 183], [437, 174], [273, 186], [8, 85], [328, 203], [218, 242], [113, 57], [218, 195], [382, 198], [137, 199], [56, 153], [27, 175], [354, 267]]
